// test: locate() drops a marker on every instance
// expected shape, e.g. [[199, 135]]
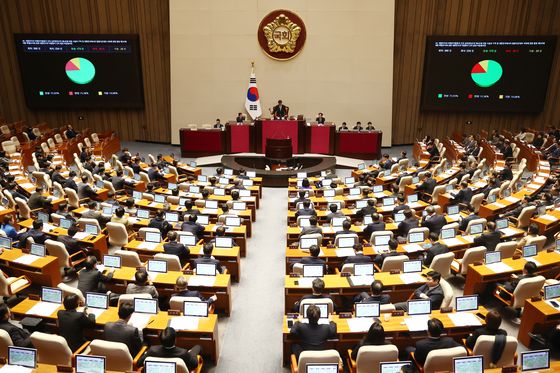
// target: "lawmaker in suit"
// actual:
[[433, 221], [359, 257], [36, 233], [173, 247], [20, 337], [436, 249], [208, 258], [489, 239], [306, 210], [192, 226], [85, 190], [120, 331], [393, 245], [37, 200], [313, 336], [493, 322], [90, 279], [434, 342], [312, 228], [71, 244], [320, 119], [318, 292], [465, 222], [280, 111], [182, 290], [376, 225], [376, 294], [464, 195], [167, 349], [431, 290], [71, 323], [410, 221], [313, 258], [428, 184]]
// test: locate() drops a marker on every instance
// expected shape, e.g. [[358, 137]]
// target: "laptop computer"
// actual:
[[51, 295], [144, 305], [211, 204], [419, 307], [398, 217], [195, 308], [344, 242], [159, 266], [154, 237], [492, 257], [233, 221], [90, 364], [381, 240], [323, 307], [466, 303], [194, 189], [225, 242], [361, 203], [159, 198], [172, 217], [415, 237], [204, 269], [91, 229], [329, 193], [187, 239], [552, 291], [143, 214], [453, 210], [202, 219], [363, 269], [97, 300], [160, 367], [476, 228], [43, 216], [533, 360], [202, 178], [219, 192], [312, 270], [388, 201], [372, 309], [468, 364], [112, 261], [412, 198], [529, 250], [37, 249], [306, 243], [65, 223], [392, 367], [502, 223], [412, 266], [25, 357]]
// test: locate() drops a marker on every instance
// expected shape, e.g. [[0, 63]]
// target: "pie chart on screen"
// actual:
[[486, 73], [80, 70]]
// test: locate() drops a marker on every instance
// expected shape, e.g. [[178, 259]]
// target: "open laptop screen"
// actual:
[[363, 269], [412, 266], [367, 309], [419, 307], [143, 305], [468, 364], [194, 308], [533, 360], [310, 270], [25, 357], [466, 303], [90, 364]]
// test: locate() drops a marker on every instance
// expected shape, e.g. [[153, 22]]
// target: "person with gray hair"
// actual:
[[433, 221]]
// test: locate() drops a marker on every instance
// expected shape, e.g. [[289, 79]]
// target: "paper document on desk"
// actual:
[[184, 323], [499, 267], [328, 230], [48, 227], [411, 278], [347, 251], [532, 259], [43, 309], [139, 320], [133, 220], [464, 319], [27, 259], [305, 282], [533, 186], [412, 247], [95, 311], [148, 245], [509, 231], [498, 205], [27, 185], [452, 242], [202, 281], [379, 195], [81, 235], [479, 184], [381, 249], [359, 324], [469, 239], [539, 179], [417, 323], [152, 275], [15, 369], [512, 199], [360, 280], [548, 217]]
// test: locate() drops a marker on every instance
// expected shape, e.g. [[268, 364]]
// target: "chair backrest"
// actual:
[[474, 254], [142, 231], [129, 298], [348, 235], [173, 263], [51, 349], [442, 360], [67, 290], [319, 236], [11, 202], [539, 241], [369, 357], [393, 262], [83, 221], [379, 233], [507, 248], [438, 190], [179, 363], [72, 196], [4, 286], [144, 177], [5, 342], [87, 142], [484, 345], [476, 201], [59, 189], [9, 147], [425, 231], [442, 263], [525, 216], [447, 293], [129, 258], [5, 129], [58, 249], [45, 147], [23, 208], [58, 138], [308, 302], [314, 357], [51, 143], [109, 186], [118, 236], [504, 186], [95, 137], [176, 303], [527, 288], [405, 180], [475, 221], [117, 354]]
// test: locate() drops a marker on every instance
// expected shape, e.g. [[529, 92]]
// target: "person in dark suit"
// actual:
[[173, 247], [36, 232], [37, 200], [401, 204], [12, 189], [410, 221], [431, 290], [301, 197], [343, 127], [218, 124], [529, 270], [358, 127], [375, 296], [159, 222], [90, 279], [368, 209], [313, 335], [346, 225], [240, 118], [313, 258], [434, 342], [167, 349], [465, 221], [462, 171], [436, 249], [376, 225], [20, 337], [312, 228], [506, 173], [493, 322], [71, 244], [154, 173], [190, 209], [119, 182], [57, 175], [182, 290], [280, 111], [428, 184], [70, 132], [85, 190], [508, 150], [334, 212], [489, 239], [393, 245], [370, 126], [208, 258], [120, 331], [318, 292], [192, 226], [359, 257], [71, 323], [320, 119], [464, 195], [70, 183], [306, 210], [433, 221], [386, 162], [374, 337]]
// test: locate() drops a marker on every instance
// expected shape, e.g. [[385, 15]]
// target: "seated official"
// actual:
[[492, 327], [306, 210], [359, 257], [120, 217], [71, 244], [190, 209], [62, 210], [313, 257], [208, 258], [280, 111], [71, 323], [192, 226], [120, 331], [182, 290], [218, 124], [313, 336], [90, 279], [346, 228], [221, 232], [393, 245], [93, 212], [343, 127], [37, 200], [70, 132], [464, 195], [318, 289], [401, 204], [368, 209], [334, 212], [386, 162], [8, 228], [119, 182], [436, 249], [465, 221], [374, 337], [301, 197], [434, 342], [85, 190], [489, 239], [433, 221], [370, 127], [173, 247], [160, 223], [312, 228], [532, 233], [129, 207], [111, 199], [154, 173], [376, 225], [320, 119], [167, 349], [36, 233], [240, 118], [431, 290], [410, 221], [20, 337], [428, 184], [142, 285], [358, 127], [529, 271], [376, 295]]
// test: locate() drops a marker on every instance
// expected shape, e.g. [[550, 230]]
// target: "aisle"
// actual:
[[251, 339]]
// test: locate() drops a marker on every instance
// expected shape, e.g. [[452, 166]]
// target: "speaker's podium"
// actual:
[[280, 149], [290, 130]]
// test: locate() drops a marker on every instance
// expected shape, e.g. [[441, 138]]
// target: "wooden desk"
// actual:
[[44, 271], [537, 317], [549, 223]]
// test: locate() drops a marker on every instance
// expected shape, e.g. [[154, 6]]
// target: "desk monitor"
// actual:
[[204, 269], [144, 305], [5, 242], [43, 216], [447, 233], [361, 166], [415, 180], [195, 308], [558, 244], [361, 203], [299, 183], [468, 364], [398, 217], [171, 186], [412, 198], [449, 188], [211, 204], [182, 201], [415, 237], [159, 198], [541, 210], [233, 221], [354, 191], [552, 291], [187, 239], [219, 192], [37, 249], [506, 193], [239, 206], [301, 175], [99, 184], [153, 237], [137, 195], [137, 177], [491, 198], [226, 242], [419, 307], [363, 269], [381, 240], [329, 193], [52, 295], [159, 266], [304, 222], [194, 189], [97, 300], [533, 360], [346, 242], [90, 364], [312, 270], [476, 228], [143, 214], [172, 217], [192, 164], [388, 201], [387, 173], [466, 303], [337, 222], [368, 219], [247, 182], [349, 180], [223, 181], [91, 229], [393, 367], [202, 178], [251, 174], [160, 367], [228, 172], [25, 357], [453, 210], [412, 266], [529, 250], [202, 219], [492, 257], [367, 309], [65, 223], [112, 261], [323, 307], [378, 189], [321, 368], [306, 243], [502, 223]]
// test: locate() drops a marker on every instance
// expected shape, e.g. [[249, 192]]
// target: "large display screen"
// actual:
[[487, 73], [80, 71]]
